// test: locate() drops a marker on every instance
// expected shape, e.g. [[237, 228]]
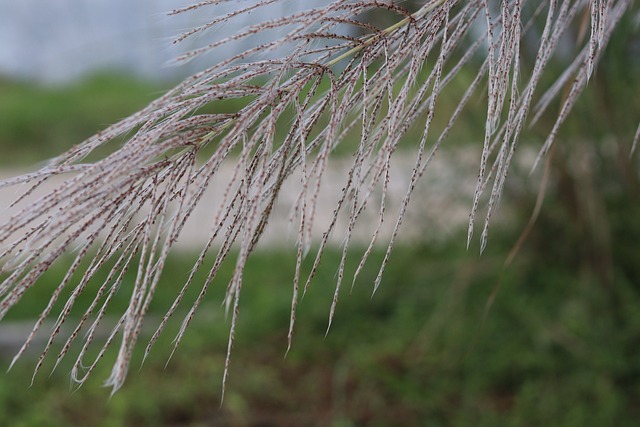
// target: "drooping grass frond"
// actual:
[[329, 79]]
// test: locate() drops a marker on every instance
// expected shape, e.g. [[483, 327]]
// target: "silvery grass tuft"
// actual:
[[305, 92]]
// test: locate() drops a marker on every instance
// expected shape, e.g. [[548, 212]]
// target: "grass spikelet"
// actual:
[[329, 75]]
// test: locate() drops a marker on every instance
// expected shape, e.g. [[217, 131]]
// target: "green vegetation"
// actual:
[[556, 347], [41, 122]]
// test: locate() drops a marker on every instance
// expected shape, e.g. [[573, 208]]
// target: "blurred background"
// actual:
[[450, 338]]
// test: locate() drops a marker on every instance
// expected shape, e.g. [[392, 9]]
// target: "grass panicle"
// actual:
[[329, 76]]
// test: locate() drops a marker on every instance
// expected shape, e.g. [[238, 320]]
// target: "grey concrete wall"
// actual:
[[57, 41]]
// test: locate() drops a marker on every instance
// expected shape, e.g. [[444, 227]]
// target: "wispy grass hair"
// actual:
[[329, 76]]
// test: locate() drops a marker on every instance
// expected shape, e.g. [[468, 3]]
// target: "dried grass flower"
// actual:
[[316, 87]]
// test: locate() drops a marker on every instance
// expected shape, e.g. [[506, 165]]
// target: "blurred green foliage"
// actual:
[[551, 351], [39, 122]]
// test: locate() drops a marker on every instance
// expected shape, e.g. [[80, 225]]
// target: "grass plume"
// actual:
[[304, 94]]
